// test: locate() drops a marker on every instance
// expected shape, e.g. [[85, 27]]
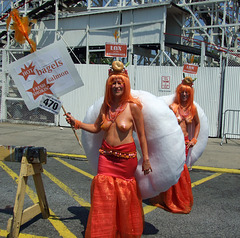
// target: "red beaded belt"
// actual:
[[126, 155]]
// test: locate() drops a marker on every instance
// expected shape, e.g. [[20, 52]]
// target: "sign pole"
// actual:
[[74, 131]]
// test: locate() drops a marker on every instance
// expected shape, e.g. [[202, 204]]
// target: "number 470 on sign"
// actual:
[[50, 103]]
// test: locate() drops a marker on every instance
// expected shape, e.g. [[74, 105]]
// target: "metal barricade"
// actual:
[[231, 125]]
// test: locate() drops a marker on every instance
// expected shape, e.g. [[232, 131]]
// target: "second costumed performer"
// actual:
[[116, 203], [179, 198]]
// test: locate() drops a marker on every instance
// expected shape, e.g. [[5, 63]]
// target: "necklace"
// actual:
[[184, 112], [114, 114]]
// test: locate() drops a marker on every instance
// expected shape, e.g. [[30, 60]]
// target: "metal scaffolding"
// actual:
[[213, 26], [208, 30]]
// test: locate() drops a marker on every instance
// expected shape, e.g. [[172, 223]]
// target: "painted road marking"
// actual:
[[21, 235], [55, 220], [67, 155], [146, 209], [59, 226], [74, 168], [68, 190], [150, 208], [218, 170], [213, 169], [205, 179]]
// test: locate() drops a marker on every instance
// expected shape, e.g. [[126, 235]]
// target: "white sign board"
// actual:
[[47, 71]]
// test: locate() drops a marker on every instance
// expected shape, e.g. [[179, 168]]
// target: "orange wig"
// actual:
[[183, 87], [126, 97]]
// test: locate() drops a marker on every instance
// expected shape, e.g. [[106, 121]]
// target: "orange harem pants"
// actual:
[[116, 203], [178, 198]]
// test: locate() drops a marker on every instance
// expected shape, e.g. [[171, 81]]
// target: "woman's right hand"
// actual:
[[70, 119]]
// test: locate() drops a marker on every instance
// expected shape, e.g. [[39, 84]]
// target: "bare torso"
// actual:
[[183, 126], [184, 119], [120, 130]]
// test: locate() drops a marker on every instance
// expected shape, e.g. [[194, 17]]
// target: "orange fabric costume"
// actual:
[[116, 204], [178, 198]]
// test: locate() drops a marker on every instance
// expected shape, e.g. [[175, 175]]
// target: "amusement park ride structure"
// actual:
[[209, 30], [157, 33]]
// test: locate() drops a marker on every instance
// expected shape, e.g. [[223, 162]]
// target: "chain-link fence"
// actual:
[[16, 109]]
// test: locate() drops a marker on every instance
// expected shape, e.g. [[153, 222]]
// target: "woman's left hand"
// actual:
[[191, 143], [146, 167]]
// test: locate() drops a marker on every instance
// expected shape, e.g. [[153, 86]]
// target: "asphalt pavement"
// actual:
[[62, 140], [67, 181]]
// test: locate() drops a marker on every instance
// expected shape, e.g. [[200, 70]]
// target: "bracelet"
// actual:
[[77, 124], [194, 141]]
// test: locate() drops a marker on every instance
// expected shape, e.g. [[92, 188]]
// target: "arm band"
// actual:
[[77, 124]]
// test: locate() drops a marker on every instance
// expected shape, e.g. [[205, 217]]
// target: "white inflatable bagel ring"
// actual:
[[165, 144], [195, 152]]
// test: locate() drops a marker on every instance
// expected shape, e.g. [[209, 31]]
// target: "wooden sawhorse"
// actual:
[[19, 216]]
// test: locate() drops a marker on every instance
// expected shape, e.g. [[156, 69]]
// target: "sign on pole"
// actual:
[[190, 68], [115, 50], [48, 71]]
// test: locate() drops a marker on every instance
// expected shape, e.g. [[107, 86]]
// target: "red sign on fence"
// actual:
[[116, 50], [190, 68], [165, 82]]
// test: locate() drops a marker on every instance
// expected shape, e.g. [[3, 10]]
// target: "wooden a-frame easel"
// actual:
[[19, 216]]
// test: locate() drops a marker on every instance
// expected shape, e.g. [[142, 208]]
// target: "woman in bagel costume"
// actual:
[[116, 203], [179, 198]]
